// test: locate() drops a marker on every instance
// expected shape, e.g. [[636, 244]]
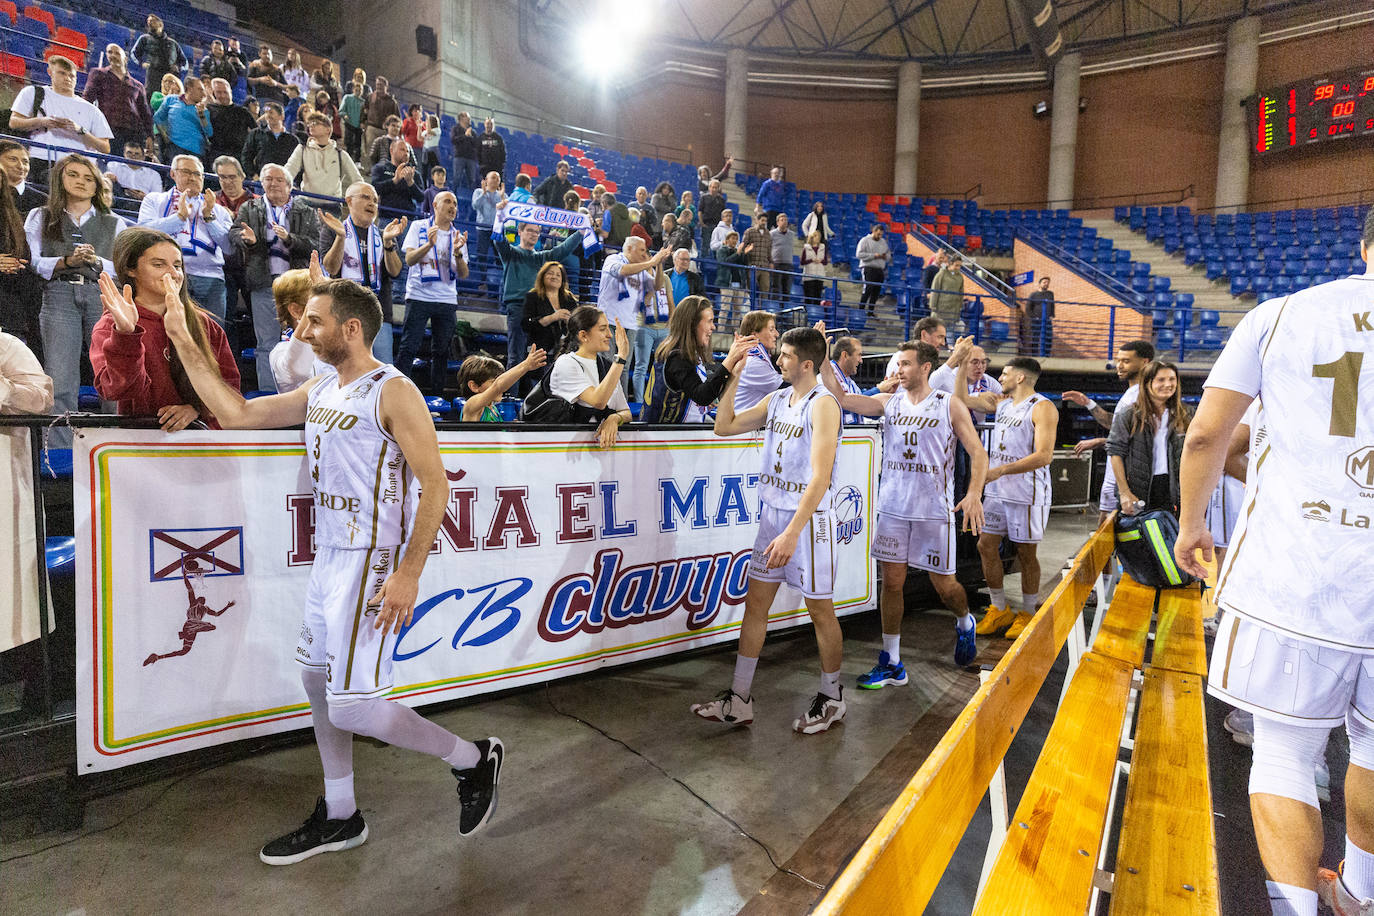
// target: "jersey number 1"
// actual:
[[1345, 391]]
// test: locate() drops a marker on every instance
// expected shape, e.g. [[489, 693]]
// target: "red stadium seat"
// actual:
[[929, 210], [560, 149], [583, 192], [874, 202], [883, 216], [942, 218], [596, 174], [956, 230], [575, 152], [611, 185], [973, 242], [928, 227], [72, 37], [13, 66], [76, 57], [889, 200], [942, 228], [898, 228], [41, 15], [903, 201], [530, 170], [9, 9]]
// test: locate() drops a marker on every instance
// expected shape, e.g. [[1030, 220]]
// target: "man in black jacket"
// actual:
[[709, 209], [550, 192], [230, 124], [491, 150], [272, 144], [220, 64], [395, 183], [156, 51], [465, 156]]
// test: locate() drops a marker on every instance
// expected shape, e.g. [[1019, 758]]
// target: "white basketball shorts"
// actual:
[[1224, 510], [921, 543], [1021, 523], [338, 633], [811, 569]]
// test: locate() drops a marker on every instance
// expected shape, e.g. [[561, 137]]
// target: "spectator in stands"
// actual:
[[596, 210], [396, 182], [381, 146], [293, 108], [758, 245], [71, 241], [783, 247], [648, 214], [187, 120], [482, 380], [413, 129], [682, 280], [665, 201], [60, 118], [251, 104], [380, 108], [325, 79], [438, 184], [818, 221], [129, 345], [272, 144], [673, 236], [709, 210], [199, 225], [21, 295], [220, 64], [759, 377], [979, 382], [632, 292], [158, 53], [431, 147], [931, 271], [324, 105], [230, 124], [730, 275], [486, 200], [686, 225], [522, 194], [293, 360], [874, 256], [686, 379], [351, 113], [294, 73], [1145, 445], [723, 228], [232, 195], [265, 78], [947, 293], [522, 262], [552, 189], [436, 253], [704, 176], [1037, 321], [14, 161], [572, 263], [616, 224], [491, 150], [324, 167], [846, 356], [275, 233], [130, 179], [122, 100], [686, 204], [465, 153], [770, 196], [357, 249], [171, 85], [547, 307], [300, 124], [815, 258], [637, 228], [576, 376]]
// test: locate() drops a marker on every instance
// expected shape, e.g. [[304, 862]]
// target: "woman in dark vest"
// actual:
[[1146, 442], [71, 241], [685, 379]]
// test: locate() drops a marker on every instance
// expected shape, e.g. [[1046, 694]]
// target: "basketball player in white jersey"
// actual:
[[916, 499], [1296, 641], [1017, 498], [1131, 360], [368, 435], [796, 537]]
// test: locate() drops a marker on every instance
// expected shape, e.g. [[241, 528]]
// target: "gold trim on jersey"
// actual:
[[383, 642], [1249, 510], [1274, 331], [377, 495], [363, 576], [1230, 647]]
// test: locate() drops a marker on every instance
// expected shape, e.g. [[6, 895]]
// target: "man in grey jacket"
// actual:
[[947, 293], [874, 257]]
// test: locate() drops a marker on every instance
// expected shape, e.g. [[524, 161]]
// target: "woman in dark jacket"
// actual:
[[547, 307], [1146, 442], [692, 381]]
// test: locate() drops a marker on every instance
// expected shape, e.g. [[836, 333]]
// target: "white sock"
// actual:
[[892, 645], [744, 676], [830, 684], [338, 798], [998, 597], [965, 622], [464, 755], [1287, 900], [1030, 602], [1358, 873]]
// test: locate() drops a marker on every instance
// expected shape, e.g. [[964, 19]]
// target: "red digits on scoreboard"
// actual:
[[1368, 85], [1325, 92], [1343, 109]]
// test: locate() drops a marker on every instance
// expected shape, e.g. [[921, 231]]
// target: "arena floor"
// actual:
[[615, 800]]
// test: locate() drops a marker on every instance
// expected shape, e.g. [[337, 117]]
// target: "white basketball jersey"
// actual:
[[1298, 559], [1013, 438], [918, 458], [358, 473], [787, 449]]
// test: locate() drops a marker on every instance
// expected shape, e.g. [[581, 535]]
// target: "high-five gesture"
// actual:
[[316, 268], [622, 340], [119, 306], [738, 351]]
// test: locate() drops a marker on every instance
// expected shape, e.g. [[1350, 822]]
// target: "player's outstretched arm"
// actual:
[[972, 503], [1204, 453], [1100, 414], [729, 423], [862, 404], [983, 403], [479, 402], [825, 435]]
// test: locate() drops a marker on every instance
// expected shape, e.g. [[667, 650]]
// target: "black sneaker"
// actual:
[[477, 786], [318, 834]]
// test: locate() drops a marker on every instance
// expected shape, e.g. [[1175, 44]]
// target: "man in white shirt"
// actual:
[[62, 119], [723, 228], [626, 278], [360, 251], [135, 181], [200, 226], [437, 255], [327, 168]]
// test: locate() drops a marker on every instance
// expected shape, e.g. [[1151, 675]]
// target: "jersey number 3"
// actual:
[[1345, 392]]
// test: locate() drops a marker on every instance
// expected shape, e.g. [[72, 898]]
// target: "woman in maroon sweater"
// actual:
[[134, 362]]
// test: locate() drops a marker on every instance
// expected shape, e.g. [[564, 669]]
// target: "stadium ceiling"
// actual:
[[937, 32]]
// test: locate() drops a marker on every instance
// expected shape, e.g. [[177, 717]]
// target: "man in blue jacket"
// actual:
[[770, 196], [187, 121]]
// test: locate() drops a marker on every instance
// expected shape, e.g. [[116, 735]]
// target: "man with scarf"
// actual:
[[521, 265], [199, 225], [437, 255], [362, 252], [631, 283]]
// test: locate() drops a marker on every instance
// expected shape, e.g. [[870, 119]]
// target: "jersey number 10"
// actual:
[[1345, 391]]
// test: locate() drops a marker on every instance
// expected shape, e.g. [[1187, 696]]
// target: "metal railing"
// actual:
[[1099, 202], [1357, 198], [1090, 272]]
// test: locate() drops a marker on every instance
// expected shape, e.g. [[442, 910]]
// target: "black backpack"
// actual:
[[543, 406], [1145, 546], [663, 403], [37, 107]]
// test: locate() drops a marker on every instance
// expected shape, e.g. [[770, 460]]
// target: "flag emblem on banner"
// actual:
[[216, 551]]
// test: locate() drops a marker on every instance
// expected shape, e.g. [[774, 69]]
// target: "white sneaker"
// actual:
[[1332, 892], [727, 707], [822, 713], [1241, 725]]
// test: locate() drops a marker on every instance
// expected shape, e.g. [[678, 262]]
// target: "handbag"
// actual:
[[543, 406]]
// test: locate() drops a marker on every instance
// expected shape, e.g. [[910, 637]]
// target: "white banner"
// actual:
[[552, 217], [555, 558]]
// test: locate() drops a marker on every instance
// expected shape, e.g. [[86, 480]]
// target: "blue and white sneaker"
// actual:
[[965, 646], [887, 671]]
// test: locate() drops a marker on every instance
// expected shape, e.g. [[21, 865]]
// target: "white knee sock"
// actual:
[[830, 684], [1358, 874], [336, 748], [338, 797], [464, 755], [1030, 602], [744, 676], [1287, 900], [892, 645], [998, 597]]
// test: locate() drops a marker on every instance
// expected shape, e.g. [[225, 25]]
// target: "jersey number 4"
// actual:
[[1345, 392]]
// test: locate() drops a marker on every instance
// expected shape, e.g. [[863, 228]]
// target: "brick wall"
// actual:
[[1082, 328]]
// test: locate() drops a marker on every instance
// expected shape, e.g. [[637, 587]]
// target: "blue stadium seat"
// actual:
[[1208, 318]]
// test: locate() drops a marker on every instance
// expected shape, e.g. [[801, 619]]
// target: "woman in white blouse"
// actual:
[[576, 378]]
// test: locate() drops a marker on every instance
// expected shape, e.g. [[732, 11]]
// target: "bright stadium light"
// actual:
[[609, 40]]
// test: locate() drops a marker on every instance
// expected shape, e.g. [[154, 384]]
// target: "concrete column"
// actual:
[[736, 102], [1233, 150], [1064, 130], [908, 127]]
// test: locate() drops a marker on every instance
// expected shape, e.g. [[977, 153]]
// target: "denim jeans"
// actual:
[[442, 318], [647, 339], [266, 334], [70, 311], [517, 345], [465, 176], [209, 294], [385, 342]]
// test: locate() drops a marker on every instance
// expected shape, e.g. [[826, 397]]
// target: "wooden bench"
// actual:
[[1115, 701]]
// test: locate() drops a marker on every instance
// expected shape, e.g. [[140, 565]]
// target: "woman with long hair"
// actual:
[[577, 379], [295, 74], [325, 78], [548, 305], [685, 379], [324, 105], [134, 361], [817, 221], [1146, 442], [21, 296], [483, 380], [686, 203], [815, 257]]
